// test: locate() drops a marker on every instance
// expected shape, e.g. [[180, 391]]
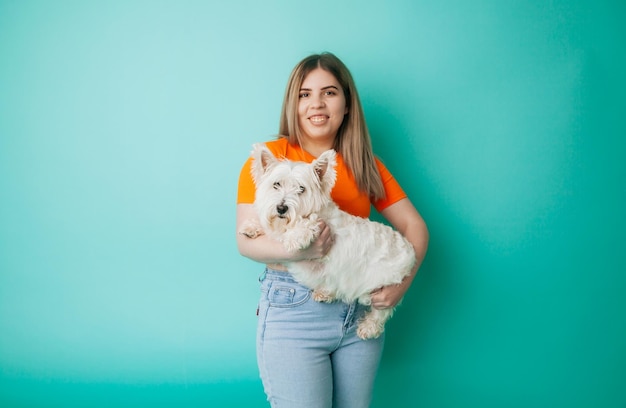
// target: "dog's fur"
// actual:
[[291, 198]]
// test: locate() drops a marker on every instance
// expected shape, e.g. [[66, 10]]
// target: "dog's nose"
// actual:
[[281, 208]]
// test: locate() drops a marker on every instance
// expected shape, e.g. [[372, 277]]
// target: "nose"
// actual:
[[281, 209], [317, 101]]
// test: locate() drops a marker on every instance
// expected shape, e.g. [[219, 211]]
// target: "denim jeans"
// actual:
[[308, 353]]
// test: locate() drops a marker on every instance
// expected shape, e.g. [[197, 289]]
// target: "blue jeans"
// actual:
[[308, 352]]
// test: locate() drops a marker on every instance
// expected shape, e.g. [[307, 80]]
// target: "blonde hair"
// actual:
[[353, 140]]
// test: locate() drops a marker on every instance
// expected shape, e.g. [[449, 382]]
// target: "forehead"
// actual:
[[319, 78]]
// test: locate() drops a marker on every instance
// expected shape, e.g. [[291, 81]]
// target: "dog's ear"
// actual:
[[262, 159], [324, 167]]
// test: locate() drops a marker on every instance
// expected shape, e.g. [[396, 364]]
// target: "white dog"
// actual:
[[291, 198]]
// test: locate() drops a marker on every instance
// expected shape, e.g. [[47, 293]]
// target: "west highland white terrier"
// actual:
[[291, 198]]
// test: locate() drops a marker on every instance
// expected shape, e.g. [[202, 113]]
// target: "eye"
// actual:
[[304, 94], [276, 185], [301, 189], [330, 93]]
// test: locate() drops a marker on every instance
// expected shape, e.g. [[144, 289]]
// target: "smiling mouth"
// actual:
[[316, 120]]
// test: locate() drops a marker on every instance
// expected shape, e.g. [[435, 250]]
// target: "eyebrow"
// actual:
[[323, 89]]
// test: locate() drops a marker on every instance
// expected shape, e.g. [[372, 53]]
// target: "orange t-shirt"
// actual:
[[345, 192]]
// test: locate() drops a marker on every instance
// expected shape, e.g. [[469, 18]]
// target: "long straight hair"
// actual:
[[353, 140]]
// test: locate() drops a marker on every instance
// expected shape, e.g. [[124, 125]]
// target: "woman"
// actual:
[[308, 352]]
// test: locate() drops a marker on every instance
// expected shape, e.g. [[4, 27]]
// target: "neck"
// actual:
[[315, 148]]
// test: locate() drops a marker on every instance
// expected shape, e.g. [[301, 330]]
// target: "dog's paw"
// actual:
[[251, 229], [296, 239], [369, 329], [251, 233], [292, 245], [322, 296]]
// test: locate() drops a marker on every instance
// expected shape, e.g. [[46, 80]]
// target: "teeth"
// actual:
[[318, 119]]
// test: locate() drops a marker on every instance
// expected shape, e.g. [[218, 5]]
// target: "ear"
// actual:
[[324, 167], [262, 159]]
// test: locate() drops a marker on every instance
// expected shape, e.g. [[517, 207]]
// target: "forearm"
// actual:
[[417, 234], [405, 218], [263, 249], [267, 250]]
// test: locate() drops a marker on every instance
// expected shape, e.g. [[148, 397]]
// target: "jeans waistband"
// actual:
[[274, 274]]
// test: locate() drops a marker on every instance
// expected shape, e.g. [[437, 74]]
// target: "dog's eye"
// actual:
[[301, 190], [276, 185]]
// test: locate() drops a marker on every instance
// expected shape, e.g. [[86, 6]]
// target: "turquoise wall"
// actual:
[[123, 126]]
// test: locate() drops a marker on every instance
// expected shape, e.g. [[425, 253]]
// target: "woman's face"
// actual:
[[321, 107]]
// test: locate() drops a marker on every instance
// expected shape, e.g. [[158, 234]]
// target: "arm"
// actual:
[[403, 216], [264, 249]]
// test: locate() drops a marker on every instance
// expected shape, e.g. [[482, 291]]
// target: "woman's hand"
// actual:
[[320, 247], [389, 296]]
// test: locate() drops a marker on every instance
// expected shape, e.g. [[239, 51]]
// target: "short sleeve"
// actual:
[[393, 191], [246, 189]]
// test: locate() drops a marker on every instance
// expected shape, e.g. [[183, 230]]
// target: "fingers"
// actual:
[[383, 298], [324, 230], [321, 245], [376, 298], [325, 239], [328, 244]]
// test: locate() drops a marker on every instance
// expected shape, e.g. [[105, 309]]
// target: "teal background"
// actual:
[[123, 126]]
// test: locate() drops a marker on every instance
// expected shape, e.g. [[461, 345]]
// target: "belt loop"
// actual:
[[262, 276]]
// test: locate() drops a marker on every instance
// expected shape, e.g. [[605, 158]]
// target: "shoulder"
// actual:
[[382, 169], [385, 175], [278, 146], [393, 190]]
